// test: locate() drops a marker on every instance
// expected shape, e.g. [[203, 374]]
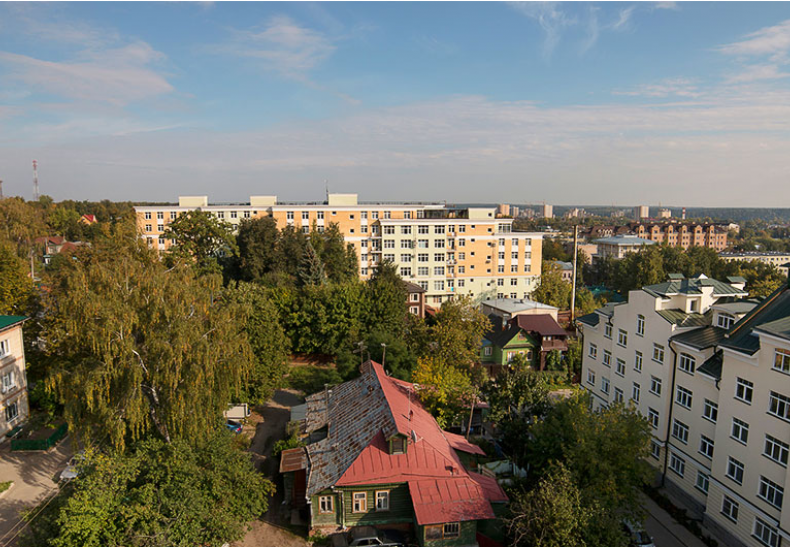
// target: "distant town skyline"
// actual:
[[595, 103]]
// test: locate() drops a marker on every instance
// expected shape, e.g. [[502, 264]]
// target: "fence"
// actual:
[[41, 444]]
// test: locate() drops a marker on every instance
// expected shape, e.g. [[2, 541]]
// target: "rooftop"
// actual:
[[515, 305], [706, 337], [693, 285], [771, 316], [624, 240], [7, 321]]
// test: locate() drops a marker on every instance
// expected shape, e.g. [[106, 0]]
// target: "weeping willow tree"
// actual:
[[138, 348]]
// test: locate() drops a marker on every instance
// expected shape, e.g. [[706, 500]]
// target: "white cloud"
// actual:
[[672, 87], [773, 42], [666, 5], [550, 17], [753, 73], [624, 18]]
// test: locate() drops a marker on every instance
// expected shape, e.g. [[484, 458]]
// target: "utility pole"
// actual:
[[383, 354], [573, 285]]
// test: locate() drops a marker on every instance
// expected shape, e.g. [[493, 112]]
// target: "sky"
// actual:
[[684, 104]]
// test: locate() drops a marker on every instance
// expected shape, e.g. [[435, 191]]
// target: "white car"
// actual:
[[72, 468], [637, 535]]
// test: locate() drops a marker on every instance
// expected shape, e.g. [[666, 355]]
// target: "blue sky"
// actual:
[[599, 103]]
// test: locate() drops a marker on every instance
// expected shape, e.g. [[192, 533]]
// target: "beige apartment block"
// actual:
[[778, 259], [13, 381], [723, 447], [444, 250]]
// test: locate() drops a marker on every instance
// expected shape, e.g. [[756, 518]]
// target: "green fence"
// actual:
[[41, 444]]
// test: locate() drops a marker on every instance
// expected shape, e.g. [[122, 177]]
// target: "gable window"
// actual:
[[382, 500], [782, 360], [360, 502], [687, 363], [398, 445], [326, 504], [725, 320], [640, 325], [744, 390]]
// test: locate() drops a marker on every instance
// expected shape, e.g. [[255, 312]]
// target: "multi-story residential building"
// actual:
[[683, 234], [627, 354], [619, 246], [641, 211], [13, 382], [446, 251], [778, 259]]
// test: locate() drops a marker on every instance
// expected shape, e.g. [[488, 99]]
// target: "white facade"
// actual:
[[13, 382]]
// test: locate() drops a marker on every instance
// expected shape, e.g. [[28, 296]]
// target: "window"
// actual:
[[703, 482], [514, 268], [500, 282], [161, 241], [438, 285], [729, 508], [593, 352], [655, 450], [514, 242], [635, 392], [422, 257], [527, 268], [173, 215], [622, 338], [638, 362], [389, 257], [422, 270], [438, 257], [461, 282], [8, 382], [389, 243], [382, 500], [686, 363], [706, 446], [148, 215], [766, 534], [677, 464], [710, 411], [590, 373], [607, 332], [406, 244], [147, 227], [452, 529], [620, 370], [461, 270], [779, 406], [374, 215], [658, 353], [618, 395], [771, 492], [487, 351], [500, 269], [11, 412], [782, 360], [326, 504], [320, 215], [501, 256], [655, 385], [387, 215], [605, 385], [776, 450], [514, 255], [4, 347], [360, 502], [461, 256], [160, 227], [422, 229], [406, 272], [406, 257], [683, 397], [607, 358], [739, 431], [289, 215], [438, 229], [735, 470], [389, 230], [160, 215], [438, 270], [744, 390], [725, 320], [407, 215], [652, 416], [680, 431], [640, 325]]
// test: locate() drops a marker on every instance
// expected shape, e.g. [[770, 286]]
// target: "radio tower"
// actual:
[[35, 180]]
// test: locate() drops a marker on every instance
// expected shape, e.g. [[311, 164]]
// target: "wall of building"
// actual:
[[13, 362]]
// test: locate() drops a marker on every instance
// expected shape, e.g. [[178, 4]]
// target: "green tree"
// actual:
[[311, 268], [385, 300], [456, 333], [552, 289], [445, 390], [158, 494], [201, 237], [137, 347], [290, 248], [258, 240], [639, 269], [65, 221], [17, 291], [339, 257]]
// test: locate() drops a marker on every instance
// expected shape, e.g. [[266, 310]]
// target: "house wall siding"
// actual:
[[400, 505], [467, 537]]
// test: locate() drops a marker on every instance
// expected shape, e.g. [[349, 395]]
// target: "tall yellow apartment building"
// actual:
[[447, 251]]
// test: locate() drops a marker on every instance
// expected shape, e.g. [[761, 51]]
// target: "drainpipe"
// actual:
[[671, 406]]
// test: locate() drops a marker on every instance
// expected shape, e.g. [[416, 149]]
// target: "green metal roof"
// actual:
[[10, 320], [591, 319], [692, 286], [738, 307], [712, 367], [780, 328], [683, 319], [706, 337], [772, 315]]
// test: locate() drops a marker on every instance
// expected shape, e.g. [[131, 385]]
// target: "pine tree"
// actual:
[[311, 269]]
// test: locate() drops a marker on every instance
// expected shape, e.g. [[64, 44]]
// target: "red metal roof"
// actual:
[[490, 487], [449, 500], [459, 442], [543, 324]]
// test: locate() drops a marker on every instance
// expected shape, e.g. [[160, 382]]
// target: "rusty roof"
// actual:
[[293, 459]]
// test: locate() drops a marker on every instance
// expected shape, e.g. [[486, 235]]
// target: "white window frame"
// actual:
[[739, 431], [326, 504], [687, 363], [779, 406], [680, 431], [782, 360], [382, 496], [770, 492], [710, 411], [744, 390], [359, 504], [677, 464], [730, 508], [735, 470], [684, 397], [776, 450]]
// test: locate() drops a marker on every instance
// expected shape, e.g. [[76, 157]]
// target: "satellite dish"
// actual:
[[413, 436]]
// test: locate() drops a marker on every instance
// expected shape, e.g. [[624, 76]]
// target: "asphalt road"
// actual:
[[664, 530]]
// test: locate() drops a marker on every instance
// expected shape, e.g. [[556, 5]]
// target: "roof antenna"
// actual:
[[326, 185]]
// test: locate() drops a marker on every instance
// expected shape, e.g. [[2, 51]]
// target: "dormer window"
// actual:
[[725, 320], [397, 445]]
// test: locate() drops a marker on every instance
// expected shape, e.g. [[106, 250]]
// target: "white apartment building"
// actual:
[[444, 250], [13, 382], [721, 414]]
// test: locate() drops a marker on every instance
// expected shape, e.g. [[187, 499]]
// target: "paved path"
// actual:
[[34, 475], [667, 532]]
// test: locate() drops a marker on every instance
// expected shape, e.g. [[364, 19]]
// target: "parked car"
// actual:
[[72, 468], [234, 426], [362, 536], [637, 535]]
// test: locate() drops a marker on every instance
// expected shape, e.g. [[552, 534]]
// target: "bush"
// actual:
[[312, 379], [5, 486]]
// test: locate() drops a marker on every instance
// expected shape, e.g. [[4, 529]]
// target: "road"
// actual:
[[665, 531]]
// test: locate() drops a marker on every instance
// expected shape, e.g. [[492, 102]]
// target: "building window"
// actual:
[[710, 411], [590, 373], [147, 227], [622, 338], [360, 502], [593, 353], [438, 270], [514, 268], [488, 351], [607, 358], [604, 385], [607, 331], [326, 504], [652, 416], [407, 215], [438, 229], [438, 257], [389, 230], [422, 257], [677, 464], [234, 214], [406, 272], [382, 500], [435, 531], [405, 230], [680, 431], [11, 412], [246, 214], [514, 282], [618, 395], [8, 382], [776, 450], [686, 363], [655, 385], [735, 470], [771, 492], [739, 431], [500, 282], [683, 397], [438, 285], [744, 390], [422, 271], [289, 215], [725, 320], [765, 534], [782, 360], [640, 325], [406, 257], [729, 508], [706, 446], [779, 406], [703, 482], [148, 215], [620, 370], [635, 392], [4, 348], [406, 244], [638, 362], [452, 529], [658, 353], [655, 450]]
